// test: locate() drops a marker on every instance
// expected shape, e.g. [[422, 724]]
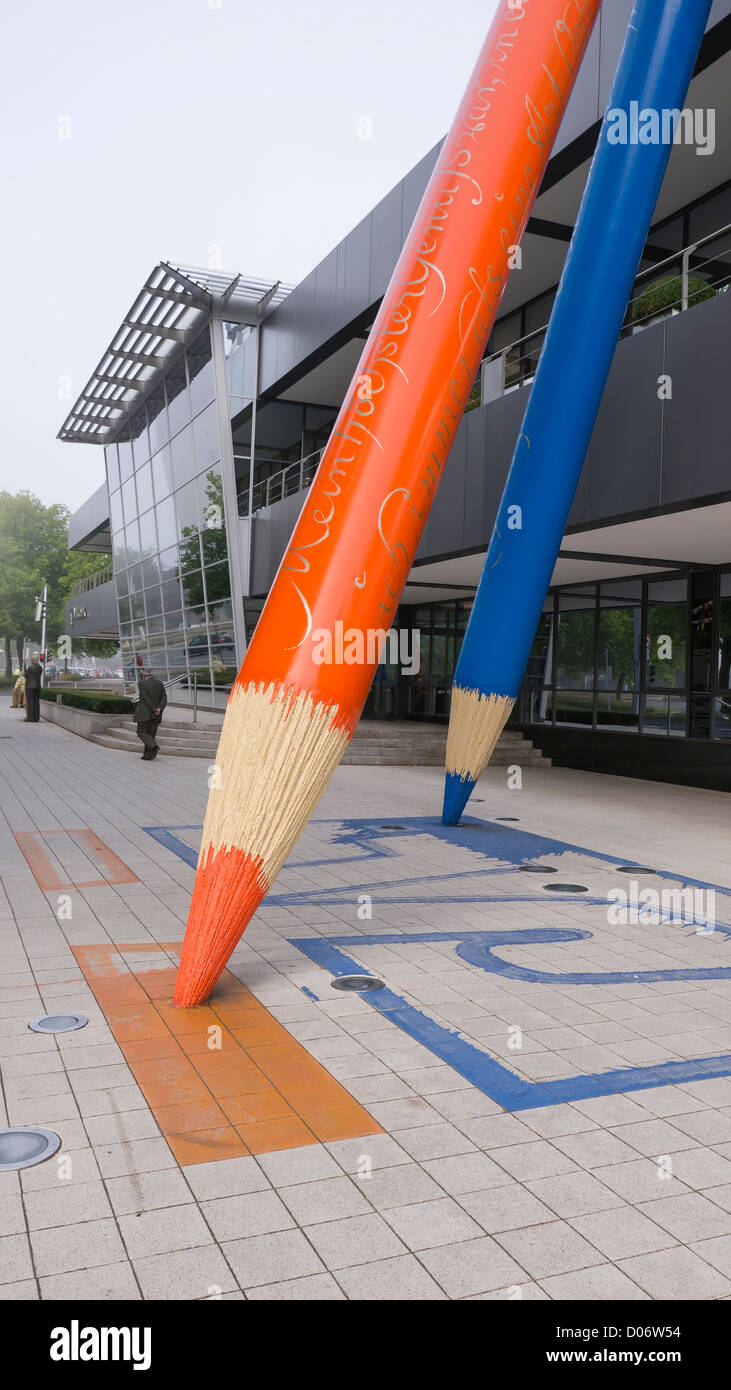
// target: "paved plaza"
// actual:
[[536, 1105]]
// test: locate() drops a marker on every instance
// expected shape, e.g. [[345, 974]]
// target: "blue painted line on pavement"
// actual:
[[482, 1070]]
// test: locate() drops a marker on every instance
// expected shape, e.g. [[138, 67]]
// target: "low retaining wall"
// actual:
[[79, 721]]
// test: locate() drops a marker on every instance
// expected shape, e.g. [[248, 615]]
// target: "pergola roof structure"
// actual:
[[170, 310]]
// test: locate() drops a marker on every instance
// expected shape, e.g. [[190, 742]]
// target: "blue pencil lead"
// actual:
[[457, 792]]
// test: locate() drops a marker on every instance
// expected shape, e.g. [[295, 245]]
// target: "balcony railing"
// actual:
[[92, 581], [290, 479], [685, 279]]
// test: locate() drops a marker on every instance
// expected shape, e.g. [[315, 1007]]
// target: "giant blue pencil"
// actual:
[[655, 68]]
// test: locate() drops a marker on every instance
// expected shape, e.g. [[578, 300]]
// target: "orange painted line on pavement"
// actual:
[[260, 1090], [35, 852]]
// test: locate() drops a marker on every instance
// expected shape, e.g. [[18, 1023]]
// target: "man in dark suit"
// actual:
[[148, 713], [33, 674]]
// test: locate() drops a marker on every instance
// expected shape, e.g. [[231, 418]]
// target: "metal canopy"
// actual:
[[170, 310]]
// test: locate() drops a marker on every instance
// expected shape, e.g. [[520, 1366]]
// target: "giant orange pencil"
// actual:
[[292, 711]]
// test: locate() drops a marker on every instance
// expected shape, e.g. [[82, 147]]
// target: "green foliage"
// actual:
[[34, 549], [667, 293], [98, 701], [213, 544]]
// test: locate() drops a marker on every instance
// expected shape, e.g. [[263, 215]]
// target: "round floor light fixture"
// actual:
[[536, 869], [392, 827], [635, 869], [25, 1145], [358, 984], [58, 1023], [507, 818], [565, 888]]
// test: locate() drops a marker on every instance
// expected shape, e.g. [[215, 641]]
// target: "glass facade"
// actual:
[[647, 655], [169, 534]]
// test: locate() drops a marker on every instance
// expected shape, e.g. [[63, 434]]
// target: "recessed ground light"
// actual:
[[507, 818], [565, 888], [358, 983], [58, 1023], [635, 869], [392, 827], [536, 869], [23, 1146]]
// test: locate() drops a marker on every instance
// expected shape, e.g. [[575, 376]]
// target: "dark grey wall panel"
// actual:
[[624, 471], [357, 271], [101, 608], [475, 434], [625, 445], [696, 431], [413, 189], [386, 241]]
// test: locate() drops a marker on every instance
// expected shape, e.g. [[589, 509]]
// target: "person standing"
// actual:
[[148, 713], [33, 677], [18, 696]]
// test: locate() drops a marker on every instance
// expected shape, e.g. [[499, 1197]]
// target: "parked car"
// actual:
[[221, 642]]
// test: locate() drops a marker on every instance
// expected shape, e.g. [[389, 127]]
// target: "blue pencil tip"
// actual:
[[457, 792]]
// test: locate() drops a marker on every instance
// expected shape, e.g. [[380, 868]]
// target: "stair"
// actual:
[[376, 743], [180, 738]]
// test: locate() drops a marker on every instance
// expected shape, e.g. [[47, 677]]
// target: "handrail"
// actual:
[[92, 581], [294, 477], [683, 256]]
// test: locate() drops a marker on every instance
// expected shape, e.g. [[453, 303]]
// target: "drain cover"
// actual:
[[635, 869], [565, 888], [58, 1023], [23, 1146], [359, 983], [536, 869]]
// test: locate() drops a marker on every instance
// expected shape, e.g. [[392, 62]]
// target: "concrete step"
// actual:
[[374, 744]]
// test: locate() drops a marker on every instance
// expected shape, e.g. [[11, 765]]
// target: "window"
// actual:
[[157, 420], [129, 501], [116, 518], [665, 650], [200, 372], [112, 462], [207, 449], [176, 392], [144, 487], [140, 441], [162, 474], [167, 533], [575, 656], [182, 452]]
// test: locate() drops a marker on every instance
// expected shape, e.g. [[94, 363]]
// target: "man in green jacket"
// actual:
[[148, 713]]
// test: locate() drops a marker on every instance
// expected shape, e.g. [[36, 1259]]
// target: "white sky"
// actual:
[[192, 127]]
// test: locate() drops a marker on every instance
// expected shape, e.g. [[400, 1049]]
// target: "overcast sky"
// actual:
[[186, 126]]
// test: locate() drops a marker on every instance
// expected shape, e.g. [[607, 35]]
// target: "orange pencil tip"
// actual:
[[228, 888]]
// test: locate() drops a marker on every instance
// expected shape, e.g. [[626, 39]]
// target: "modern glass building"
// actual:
[[217, 394]]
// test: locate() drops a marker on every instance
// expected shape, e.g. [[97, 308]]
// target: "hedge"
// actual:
[[98, 701], [666, 293]]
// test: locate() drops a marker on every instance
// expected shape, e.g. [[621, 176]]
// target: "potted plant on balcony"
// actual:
[[663, 298]]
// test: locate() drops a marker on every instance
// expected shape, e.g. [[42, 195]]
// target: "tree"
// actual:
[[35, 551], [34, 545]]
